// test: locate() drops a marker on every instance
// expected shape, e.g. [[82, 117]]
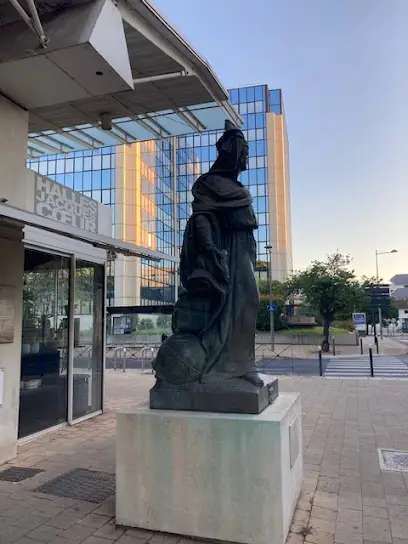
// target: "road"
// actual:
[[385, 366]]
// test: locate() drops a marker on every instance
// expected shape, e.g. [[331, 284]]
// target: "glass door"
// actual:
[[44, 353], [88, 338]]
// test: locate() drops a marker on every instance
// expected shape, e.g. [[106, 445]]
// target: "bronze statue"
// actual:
[[215, 316]]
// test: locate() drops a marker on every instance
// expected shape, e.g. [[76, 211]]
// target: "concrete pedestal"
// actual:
[[229, 477]]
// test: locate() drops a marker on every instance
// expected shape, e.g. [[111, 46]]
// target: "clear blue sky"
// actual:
[[343, 68]]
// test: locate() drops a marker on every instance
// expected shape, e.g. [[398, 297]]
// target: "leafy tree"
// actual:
[[163, 321], [146, 324], [279, 296], [330, 288]]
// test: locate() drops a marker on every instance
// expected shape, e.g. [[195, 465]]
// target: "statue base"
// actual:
[[220, 477], [236, 396]]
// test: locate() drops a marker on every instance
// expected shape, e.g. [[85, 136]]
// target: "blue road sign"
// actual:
[[270, 308]]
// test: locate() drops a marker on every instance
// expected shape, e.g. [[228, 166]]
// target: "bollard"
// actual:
[[370, 351], [376, 344], [361, 347], [320, 361], [334, 346], [124, 359]]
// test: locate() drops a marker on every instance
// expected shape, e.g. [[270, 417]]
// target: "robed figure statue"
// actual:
[[215, 316]]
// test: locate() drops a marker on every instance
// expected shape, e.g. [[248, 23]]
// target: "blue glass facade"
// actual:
[[162, 174], [253, 103]]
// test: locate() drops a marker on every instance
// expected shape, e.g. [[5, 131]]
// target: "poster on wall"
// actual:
[[6, 314]]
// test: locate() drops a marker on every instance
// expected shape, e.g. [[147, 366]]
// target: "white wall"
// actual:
[[11, 274], [13, 172], [13, 152]]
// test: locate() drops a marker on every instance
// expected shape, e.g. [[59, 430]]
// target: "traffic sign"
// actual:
[[270, 308]]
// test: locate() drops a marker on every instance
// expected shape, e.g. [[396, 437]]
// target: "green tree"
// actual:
[[330, 288], [279, 296], [146, 324], [163, 321]]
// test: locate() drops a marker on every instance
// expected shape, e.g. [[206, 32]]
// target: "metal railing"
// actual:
[[127, 356]]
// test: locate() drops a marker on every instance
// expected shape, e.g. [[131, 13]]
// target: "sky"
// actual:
[[343, 68]]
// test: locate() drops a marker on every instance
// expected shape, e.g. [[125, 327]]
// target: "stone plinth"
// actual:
[[228, 396], [230, 477]]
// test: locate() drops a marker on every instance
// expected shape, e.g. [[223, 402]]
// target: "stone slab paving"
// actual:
[[345, 498]]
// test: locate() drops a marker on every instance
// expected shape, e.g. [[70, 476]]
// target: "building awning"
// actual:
[[166, 88], [15, 217]]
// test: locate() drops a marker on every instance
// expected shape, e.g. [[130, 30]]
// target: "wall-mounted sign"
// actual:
[[62, 204], [6, 314]]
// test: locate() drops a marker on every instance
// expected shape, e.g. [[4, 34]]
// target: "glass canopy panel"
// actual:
[[162, 124]]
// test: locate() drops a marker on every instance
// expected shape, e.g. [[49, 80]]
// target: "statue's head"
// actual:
[[232, 151]]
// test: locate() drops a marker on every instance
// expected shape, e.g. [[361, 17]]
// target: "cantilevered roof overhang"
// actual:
[[14, 217], [162, 87]]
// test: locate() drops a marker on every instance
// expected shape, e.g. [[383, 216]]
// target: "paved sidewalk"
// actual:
[[345, 499]]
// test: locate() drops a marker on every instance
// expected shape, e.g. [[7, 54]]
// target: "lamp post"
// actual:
[[377, 253], [271, 311]]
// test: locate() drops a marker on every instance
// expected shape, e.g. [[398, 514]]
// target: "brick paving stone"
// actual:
[[11, 533], [350, 500], [95, 540], [319, 537], [63, 520], [5, 521], [44, 533], [77, 532], [110, 531], [352, 517], [375, 512], [322, 525], [131, 539], [399, 525], [323, 513], [293, 538], [29, 522], [346, 534], [377, 528], [326, 500], [94, 520]]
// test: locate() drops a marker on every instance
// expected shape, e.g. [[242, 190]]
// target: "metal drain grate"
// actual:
[[82, 485], [18, 474], [393, 460]]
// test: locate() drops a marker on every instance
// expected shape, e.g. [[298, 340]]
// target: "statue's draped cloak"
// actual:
[[220, 301]]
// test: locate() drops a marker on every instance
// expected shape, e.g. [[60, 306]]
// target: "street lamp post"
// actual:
[[377, 253], [271, 311]]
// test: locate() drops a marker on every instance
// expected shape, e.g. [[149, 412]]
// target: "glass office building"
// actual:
[[148, 186], [267, 176]]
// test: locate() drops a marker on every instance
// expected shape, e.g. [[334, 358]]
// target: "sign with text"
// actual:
[[359, 321], [54, 201]]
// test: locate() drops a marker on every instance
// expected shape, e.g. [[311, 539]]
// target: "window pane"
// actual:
[[96, 162], [87, 376], [234, 96], [51, 168], [96, 179], [260, 92], [87, 181], [106, 179], [69, 165], [78, 164], [106, 161]]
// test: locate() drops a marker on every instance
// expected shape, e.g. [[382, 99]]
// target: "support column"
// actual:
[[13, 176]]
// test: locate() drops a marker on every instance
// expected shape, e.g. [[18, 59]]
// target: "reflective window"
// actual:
[[88, 338], [44, 353]]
